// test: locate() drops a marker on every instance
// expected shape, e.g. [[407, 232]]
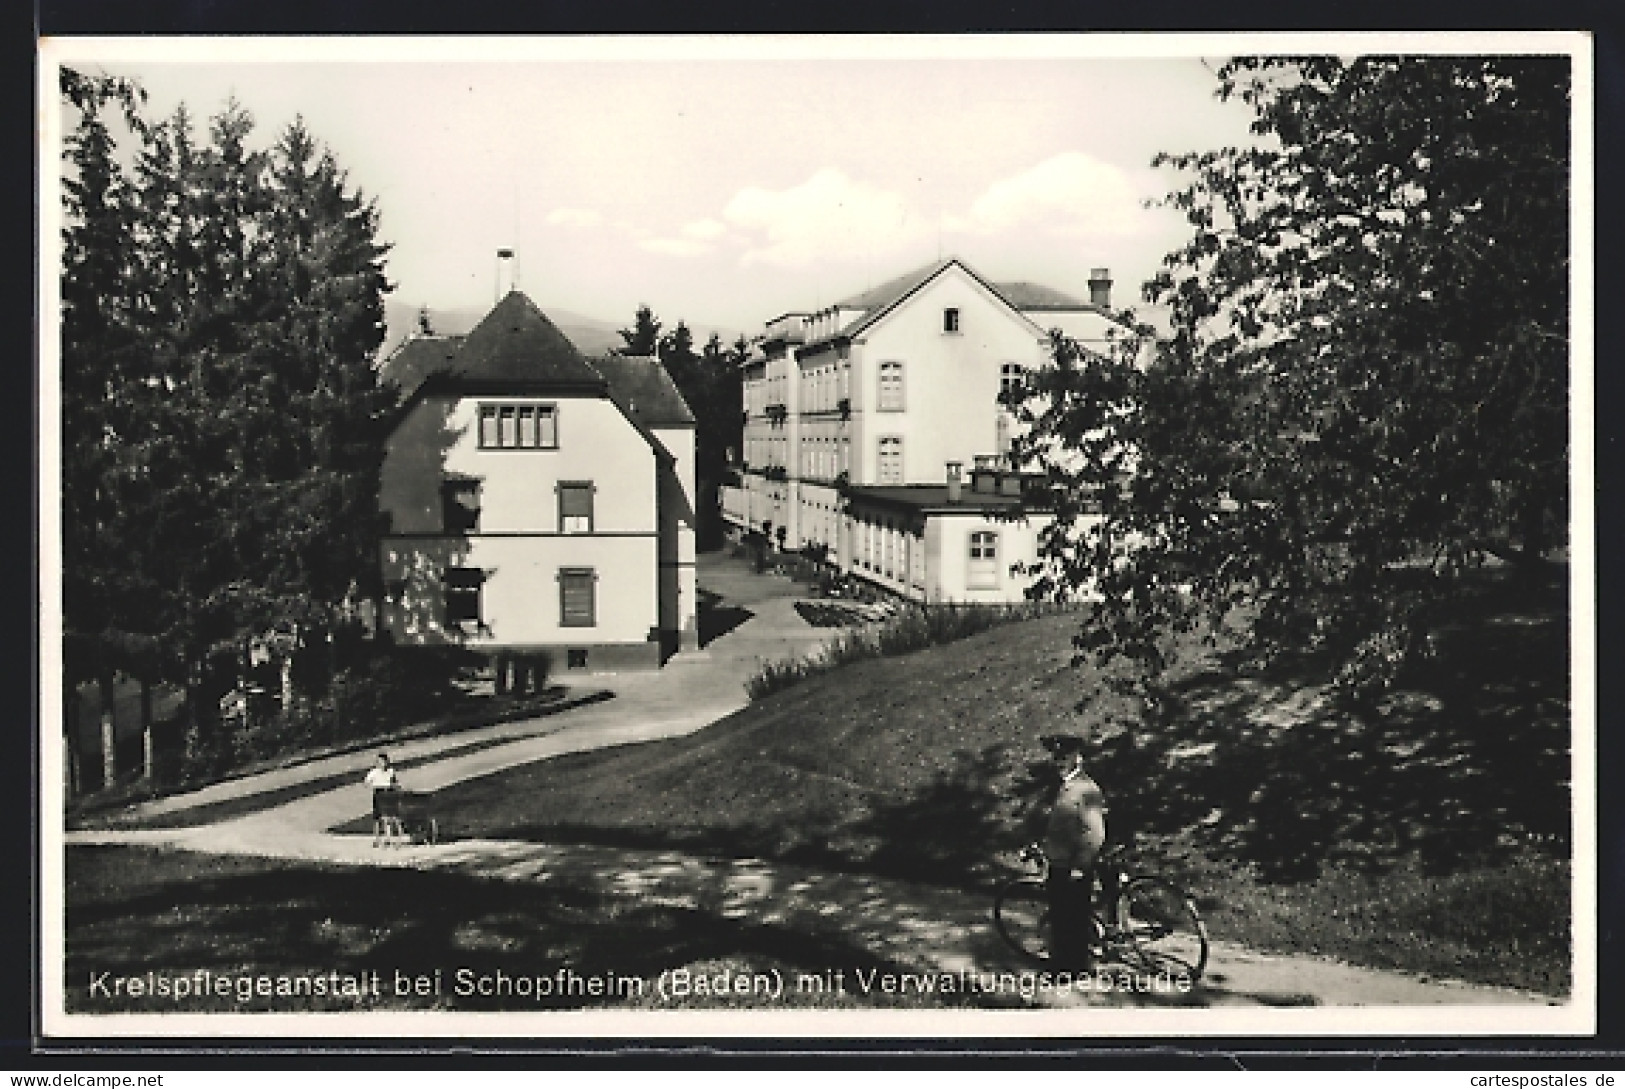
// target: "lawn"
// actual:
[[1428, 832], [133, 911]]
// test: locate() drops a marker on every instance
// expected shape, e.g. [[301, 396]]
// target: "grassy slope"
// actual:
[[1427, 837], [838, 767]]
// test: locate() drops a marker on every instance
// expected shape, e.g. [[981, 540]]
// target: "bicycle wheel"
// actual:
[[1161, 926], [1021, 914]]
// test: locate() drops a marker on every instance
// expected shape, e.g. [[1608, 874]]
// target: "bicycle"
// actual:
[[1153, 922]]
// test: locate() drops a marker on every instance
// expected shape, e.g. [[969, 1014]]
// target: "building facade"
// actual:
[[538, 501], [862, 419]]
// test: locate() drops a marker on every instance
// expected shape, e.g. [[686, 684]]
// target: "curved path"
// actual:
[[924, 927]]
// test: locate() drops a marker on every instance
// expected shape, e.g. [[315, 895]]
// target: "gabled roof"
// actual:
[[1019, 295], [888, 295], [515, 343], [644, 390], [881, 297], [1029, 296], [416, 359]]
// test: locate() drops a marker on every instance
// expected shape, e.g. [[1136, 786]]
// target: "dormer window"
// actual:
[[950, 320]]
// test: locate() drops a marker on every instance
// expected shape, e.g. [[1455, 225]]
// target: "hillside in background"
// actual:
[[591, 336]]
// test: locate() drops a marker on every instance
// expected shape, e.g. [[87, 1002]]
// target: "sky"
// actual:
[[725, 182]]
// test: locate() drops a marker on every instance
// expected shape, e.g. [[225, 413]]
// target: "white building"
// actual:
[[538, 501], [855, 413]]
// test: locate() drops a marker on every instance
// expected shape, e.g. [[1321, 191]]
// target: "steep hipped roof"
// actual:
[[644, 390], [417, 359], [515, 343]]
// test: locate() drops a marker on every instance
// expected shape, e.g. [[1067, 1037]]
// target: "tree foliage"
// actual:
[[221, 425], [1364, 397], [643, 338], [709, 382]]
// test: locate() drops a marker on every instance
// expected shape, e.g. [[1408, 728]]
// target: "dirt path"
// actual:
[[926, 928]]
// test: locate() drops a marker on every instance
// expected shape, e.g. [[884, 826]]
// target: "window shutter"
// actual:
[[577, 590], [576, 500], [575, 508]]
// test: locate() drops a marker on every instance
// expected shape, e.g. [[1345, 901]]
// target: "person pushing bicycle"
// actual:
[[1072, 841]]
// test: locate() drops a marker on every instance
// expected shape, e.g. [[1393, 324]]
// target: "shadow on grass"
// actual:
[[131, 911], [1465, 765]]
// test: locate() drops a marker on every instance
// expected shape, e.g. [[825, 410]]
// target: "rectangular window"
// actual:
[[575, 506], [891, 460], [984, 561], [460, 506], [891, 387], [578, 593], [950, 320], [462, 589], [518, 427]]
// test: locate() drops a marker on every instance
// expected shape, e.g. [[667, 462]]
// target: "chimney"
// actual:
[[1100, 287], [507, 273], [954, 483]]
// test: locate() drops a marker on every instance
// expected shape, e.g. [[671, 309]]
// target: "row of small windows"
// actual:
[[460, 506], [578, 596], [519, 427]]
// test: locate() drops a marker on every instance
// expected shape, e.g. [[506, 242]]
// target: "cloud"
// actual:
[[677, 247], [827, 217], [1069, 194], [695, 237], [574, 217], [705, 230]]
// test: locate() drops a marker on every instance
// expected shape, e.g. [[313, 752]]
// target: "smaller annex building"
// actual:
[[538, 501], [961, 541]]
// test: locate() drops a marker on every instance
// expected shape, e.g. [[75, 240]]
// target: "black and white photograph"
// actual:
[[1049, 536]]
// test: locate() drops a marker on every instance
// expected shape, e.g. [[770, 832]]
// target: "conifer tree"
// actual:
[[221, 314]]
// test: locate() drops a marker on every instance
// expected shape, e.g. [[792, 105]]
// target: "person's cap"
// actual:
[[1063, 744]]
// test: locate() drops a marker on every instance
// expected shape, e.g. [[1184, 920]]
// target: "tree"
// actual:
[[644, 336], [100, 350], [238, 416], [1364, 397], [709, 383]]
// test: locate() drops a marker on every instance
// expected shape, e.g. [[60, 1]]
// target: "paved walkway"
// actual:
[[923, 927]]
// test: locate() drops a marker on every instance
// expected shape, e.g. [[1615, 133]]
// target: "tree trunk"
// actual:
[[287, 682], [148, 755], [70, 737], [193, 744], [109, 738]]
